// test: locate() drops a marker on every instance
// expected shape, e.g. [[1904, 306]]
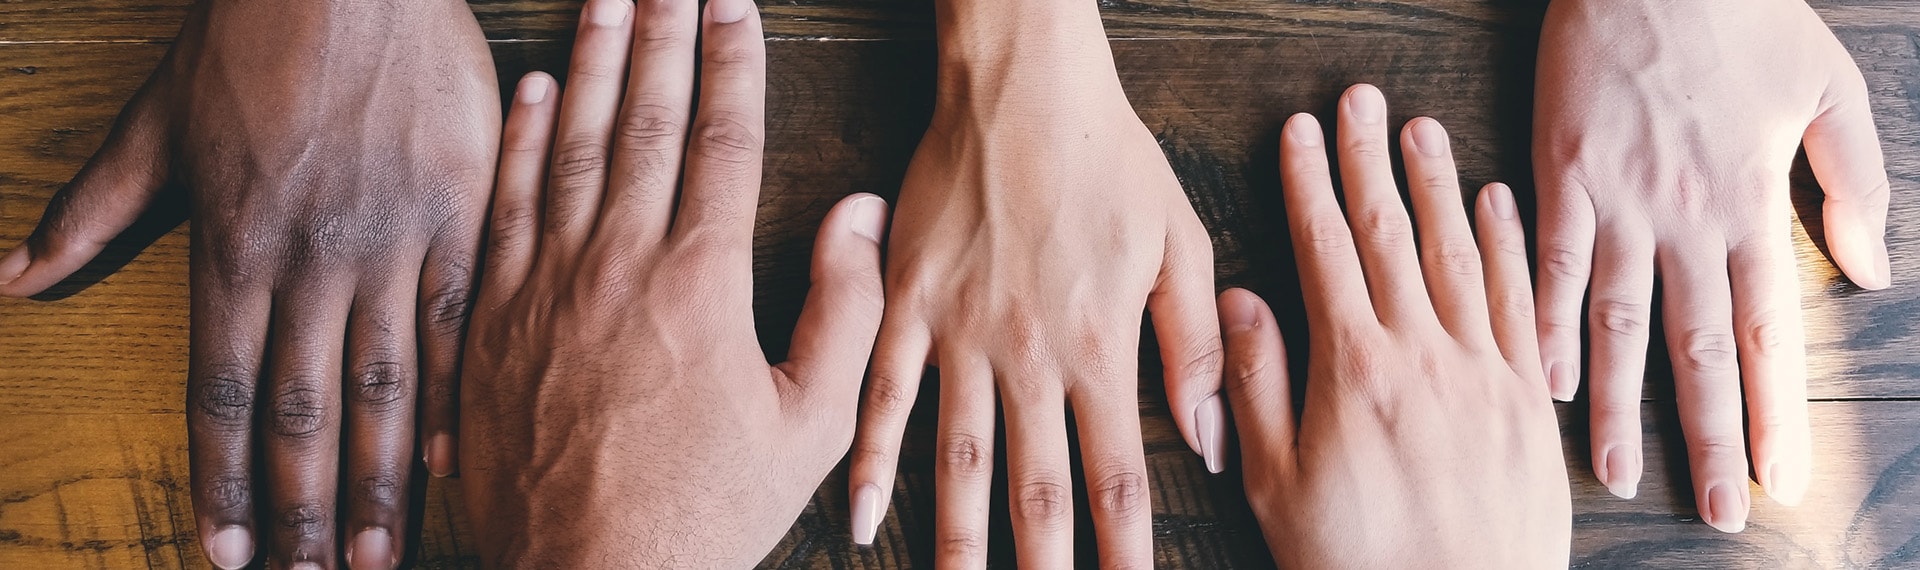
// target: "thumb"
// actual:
[[107, 196], [1845, 154], [1256, 378], [837, 325]]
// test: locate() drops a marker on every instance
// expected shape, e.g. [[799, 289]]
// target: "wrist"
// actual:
[[1044, 52]]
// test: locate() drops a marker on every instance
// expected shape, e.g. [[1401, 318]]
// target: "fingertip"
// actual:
[[1210, 418], [12, 266], [1725, 508], [1304, 129], [869, 507], [440, 455], [867, 217], [230, 548], [533, 88], [1239, 310], [1785, 484], [729, 11], [1563, 380]]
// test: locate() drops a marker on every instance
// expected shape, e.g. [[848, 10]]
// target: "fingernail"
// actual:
[[608, 13], [440, 455], [1241, 316], [1211, 420], [1786, 485], [1622, 464], [533, 89], [372, 548], [869, 217], [231, 548], [728, 11], [307, 565], [1429, 138], [15, 263], [1306, 130], [1725, 510], [1560, 381], [866, 513], [1501, 197], [1366, 105]]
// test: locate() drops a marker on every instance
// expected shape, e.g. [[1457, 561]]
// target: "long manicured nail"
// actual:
[[1211, 419], [440, 455], [608, 13], [869, 217], [1366, 105], [1429, 138], [866, 513], [1725, 510], [231, 548], [1622, 465], [1560, 381], [15, 263], [728, 11], [1500, 196], [1306, 130], [1785, 485], [533, 89], [372, 548]]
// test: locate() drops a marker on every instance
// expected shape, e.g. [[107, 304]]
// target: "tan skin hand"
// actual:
[[1665, 131], [1038, 219], [336, 158], [617, 409], [1426, 439]]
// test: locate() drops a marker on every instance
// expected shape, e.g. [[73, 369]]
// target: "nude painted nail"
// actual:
[[729, 11], [867, 513], [869, 217], [440, 455], [1429, 138], [1785, 485], [608, 13], [231, 548], [15, 263], [1725, 511], [533, 89], [1306, 130], [1560, 381], [1211, 419], [1501, 197], [1622, 464], [1366, 105], [372, 548]]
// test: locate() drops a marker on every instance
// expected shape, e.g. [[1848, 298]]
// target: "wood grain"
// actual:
[[92, 475]]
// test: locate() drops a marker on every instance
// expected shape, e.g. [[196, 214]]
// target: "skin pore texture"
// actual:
[[1664, 132], [335, 159], [1426, 438], [617, 409], [1038, 219]]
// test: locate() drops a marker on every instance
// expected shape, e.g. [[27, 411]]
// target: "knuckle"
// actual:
[[448, 307], [1764, 337], [577, 161], [961, 544], [383, 490], [1363, 149], [1043, 501], [888, 395], [1385, 226], [867, 452], [1563, 261], [380, 385], [727, 139], [1621, 318], [1205, 358], [966, 456], [650, 128], [305, 523], [1513, 305], [298, 412], [512, 223], [229, 494], [737, 55], [1325, 235], [323, 237], [1708, 351], [1122, 494], [1457, 257], [1440, 182], [225, 398]]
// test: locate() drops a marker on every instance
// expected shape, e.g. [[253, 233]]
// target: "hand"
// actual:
[[1037, 219], [1664, 133], [618, 410], [336, 157], [1427, 439]]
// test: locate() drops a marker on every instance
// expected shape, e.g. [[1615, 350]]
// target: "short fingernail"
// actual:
[[1786, 485], [729, 11], [15, 263], [1726, 511], [1429, 138], [1560, 381], [372, 548], [608, 13], [1366, 105], [533, 89], [869, 217], [1622, 463], [1306, 130], [307, 565], [231, 548], [1240, 316], [866, 513], [1501, 196], [1211, 419], [440, 455]]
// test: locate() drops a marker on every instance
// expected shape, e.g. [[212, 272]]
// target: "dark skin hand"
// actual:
[[617, 409], [337, 160]]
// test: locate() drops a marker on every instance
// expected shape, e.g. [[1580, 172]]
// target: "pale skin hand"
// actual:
[[1038, 219], [1664, 133], [618, 411], [1426, 439], [336, 158]]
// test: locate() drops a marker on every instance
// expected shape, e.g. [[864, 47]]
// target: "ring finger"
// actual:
[[381, 384]]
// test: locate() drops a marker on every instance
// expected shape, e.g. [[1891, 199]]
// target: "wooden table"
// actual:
[[93, 469]]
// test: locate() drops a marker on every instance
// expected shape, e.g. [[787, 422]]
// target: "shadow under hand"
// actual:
[[166, 213]]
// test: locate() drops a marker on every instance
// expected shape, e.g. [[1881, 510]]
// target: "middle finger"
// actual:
[[303, 421], [1382, 232], [1698, 307], [382, 382], [1039, 480]]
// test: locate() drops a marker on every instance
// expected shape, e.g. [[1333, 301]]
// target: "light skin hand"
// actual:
[[1038, 219], [1426, 439], [336, 159], [1664, 135], [618, 410]]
